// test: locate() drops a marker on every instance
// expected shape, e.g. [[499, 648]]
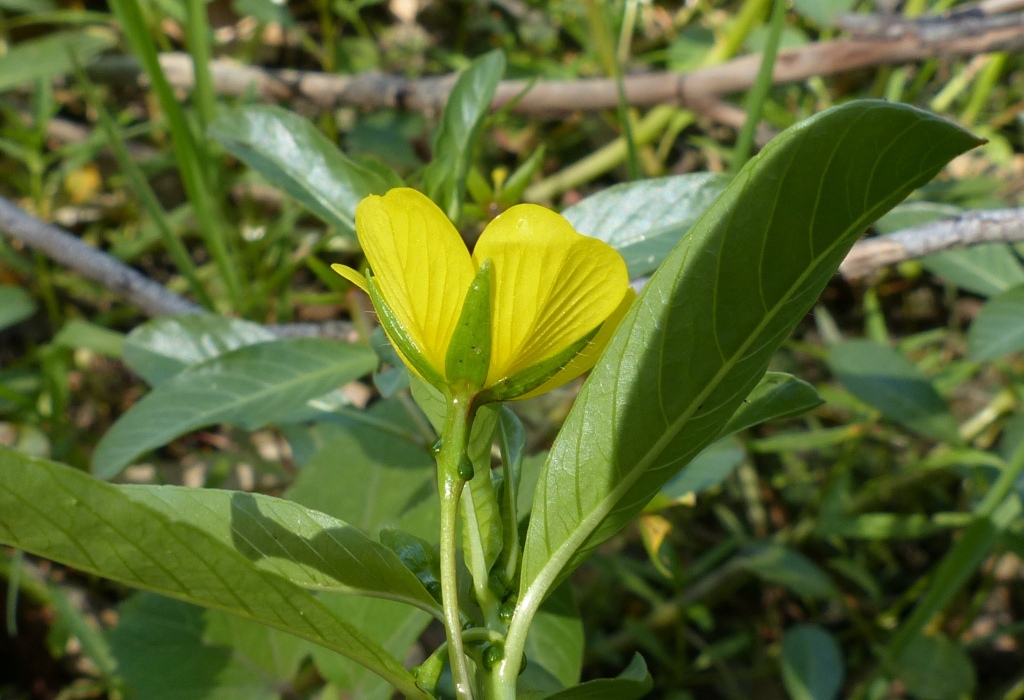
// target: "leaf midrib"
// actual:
[[590, 522]]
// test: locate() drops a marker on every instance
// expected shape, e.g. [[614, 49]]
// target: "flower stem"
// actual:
[[450, 460]]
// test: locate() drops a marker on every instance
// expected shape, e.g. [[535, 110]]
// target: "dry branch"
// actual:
[[971, 228], [131, 286], [943, 37]]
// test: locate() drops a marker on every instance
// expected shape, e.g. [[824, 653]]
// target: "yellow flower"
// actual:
[[544, 300]]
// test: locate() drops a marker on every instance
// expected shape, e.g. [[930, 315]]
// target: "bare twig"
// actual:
[[69, 250], [971, 228], [126, 283], [960, 22], [379, 91]]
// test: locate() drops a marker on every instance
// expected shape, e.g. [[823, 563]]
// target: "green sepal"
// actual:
[[401, 340], [469, 352], [526, 380]]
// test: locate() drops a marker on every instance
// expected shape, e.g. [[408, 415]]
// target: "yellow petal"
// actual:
[[352, 275], [589, 355], [420, 266], [552, 286]]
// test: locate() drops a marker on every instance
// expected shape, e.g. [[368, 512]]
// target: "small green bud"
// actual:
[[435, 447], [469, 352], [506, 610], [493, 655], [465, 467]]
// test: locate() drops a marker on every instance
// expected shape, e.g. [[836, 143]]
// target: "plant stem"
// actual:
[[454, 439]]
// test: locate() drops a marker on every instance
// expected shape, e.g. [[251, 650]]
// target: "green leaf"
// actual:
[[395, 627], [707, 470], [936, 668], [371, 478], [159, 349], [787, 567], [15, 306], [556, 637], [159, 642], [700, 336], [632, 684], [481, 517], [303, 546], [999, 329], [645, 220], [51, 56], [778, 395], [884, 378], [63, 514], [822, 12], [812, 663], [79, 334], [248, 387], [295, 156], [444, 180]]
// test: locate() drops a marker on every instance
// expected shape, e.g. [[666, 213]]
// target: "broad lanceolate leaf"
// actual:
[[15, 305], [644, 220], [886, 379], [700, 337], [248, 387], [999, 329], [162, 347], [159, 642], [632, 684], [778, 395], [812, 663], [395, 627], [295, 156], [308, 548], [68, 516], [444, 180], [51, 56]]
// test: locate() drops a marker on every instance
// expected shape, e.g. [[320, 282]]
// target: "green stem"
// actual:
[[759, 93], [454, 439]]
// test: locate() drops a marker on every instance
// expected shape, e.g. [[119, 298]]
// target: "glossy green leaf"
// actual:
[[159, 641], [999, 329], [632, 684], [700, 336], [812, 663], [444, 180], [248, 387], [936, 668], [16, 305], [787, 567], [98, 528], [294, 155], [159, 349], [884, 378], [644, 220], [778, 395], [308, 548], [50, 56]]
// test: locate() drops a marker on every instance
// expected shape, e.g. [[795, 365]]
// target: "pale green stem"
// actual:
[[454, 438]]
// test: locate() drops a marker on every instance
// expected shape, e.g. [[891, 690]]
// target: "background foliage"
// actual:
[[868, 548]]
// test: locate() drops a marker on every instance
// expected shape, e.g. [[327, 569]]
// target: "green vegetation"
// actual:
[[776, 482]]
